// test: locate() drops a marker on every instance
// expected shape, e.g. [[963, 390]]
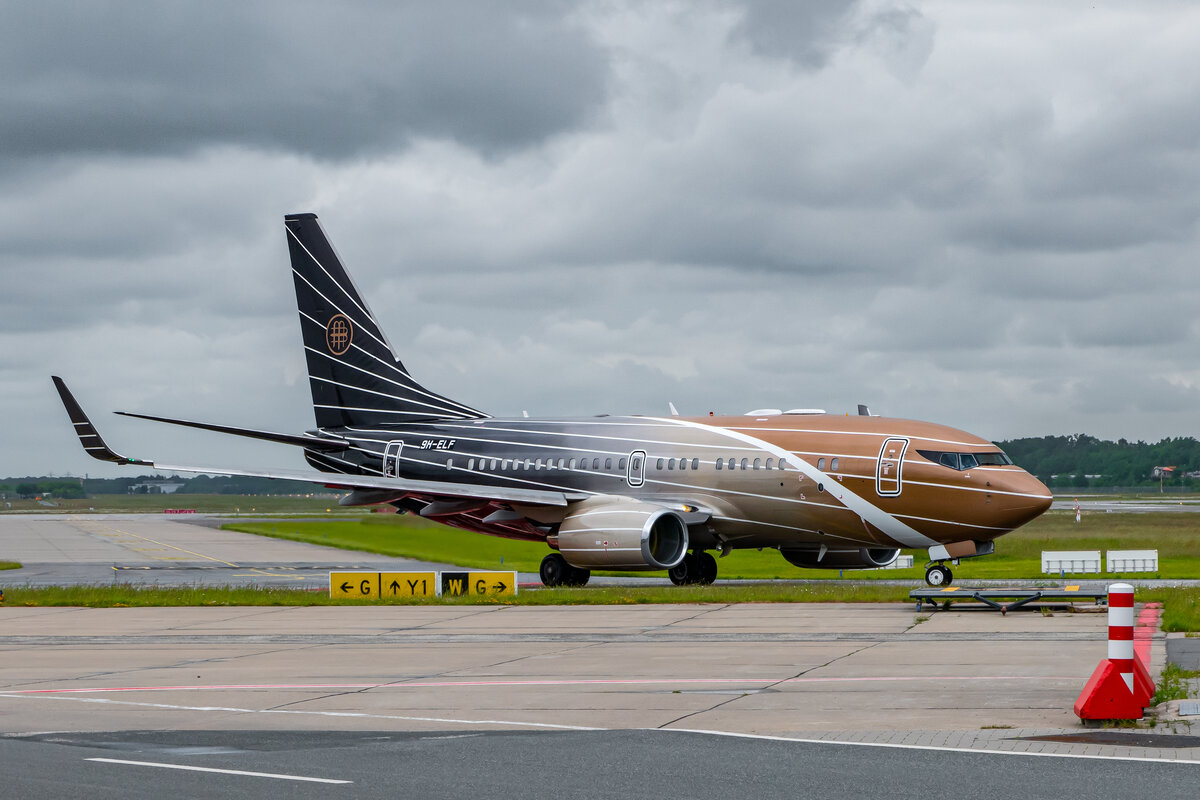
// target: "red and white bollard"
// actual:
[[1120, 631], [1120, 686]]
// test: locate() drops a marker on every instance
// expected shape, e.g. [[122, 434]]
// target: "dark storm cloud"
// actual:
[[333, 80]]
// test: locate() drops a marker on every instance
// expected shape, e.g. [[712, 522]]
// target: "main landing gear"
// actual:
[[555, 571], [938, 575], [697, 566]]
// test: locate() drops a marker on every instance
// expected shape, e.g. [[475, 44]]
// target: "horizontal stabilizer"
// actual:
[[301, 440], [89, 437]]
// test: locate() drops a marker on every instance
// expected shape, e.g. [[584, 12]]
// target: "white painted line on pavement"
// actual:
[[213, 769], [735, 735], [350, 714]]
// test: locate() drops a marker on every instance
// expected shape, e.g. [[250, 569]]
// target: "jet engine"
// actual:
[[620, 533], [858, 558]]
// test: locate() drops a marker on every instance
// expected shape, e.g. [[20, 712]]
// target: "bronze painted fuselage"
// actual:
[[788, 481]]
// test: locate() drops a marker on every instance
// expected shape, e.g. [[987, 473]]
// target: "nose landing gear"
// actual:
[[938, 575]]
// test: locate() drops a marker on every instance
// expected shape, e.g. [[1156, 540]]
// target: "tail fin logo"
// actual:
[[339, 333]]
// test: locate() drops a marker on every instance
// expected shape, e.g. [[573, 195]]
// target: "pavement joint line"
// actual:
[[936, 748]]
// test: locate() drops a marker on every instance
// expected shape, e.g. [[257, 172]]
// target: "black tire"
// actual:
[[708, 568], [949, 576], [936, 575], [577, 576], [554, 570], [686, 572]]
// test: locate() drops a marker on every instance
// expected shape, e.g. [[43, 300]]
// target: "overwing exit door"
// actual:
[[391, 459]]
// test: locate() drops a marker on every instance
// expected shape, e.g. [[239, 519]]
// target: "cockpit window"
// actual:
[[964, 461]]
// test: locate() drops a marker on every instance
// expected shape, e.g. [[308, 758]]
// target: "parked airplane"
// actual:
[[623, 492]]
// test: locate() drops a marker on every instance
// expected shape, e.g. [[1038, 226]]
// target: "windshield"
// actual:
[[962, 461]]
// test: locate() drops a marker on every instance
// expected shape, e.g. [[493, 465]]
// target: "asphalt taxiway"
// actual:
[[69, 549], [698, 700]]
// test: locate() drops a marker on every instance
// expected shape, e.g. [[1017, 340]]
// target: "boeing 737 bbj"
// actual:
[[630, 492]]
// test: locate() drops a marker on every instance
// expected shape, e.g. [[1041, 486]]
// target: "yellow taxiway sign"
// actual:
[[390, 585], [382, 585]]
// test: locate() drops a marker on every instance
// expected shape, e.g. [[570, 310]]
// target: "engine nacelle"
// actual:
[[858, 558], [619, 533]]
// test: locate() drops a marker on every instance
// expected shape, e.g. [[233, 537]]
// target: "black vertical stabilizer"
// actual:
[[355, 376]]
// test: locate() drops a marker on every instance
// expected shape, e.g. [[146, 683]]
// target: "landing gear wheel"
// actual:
[[554, 570], [576, 576], [708, 568], [685, 572], [937, 575]]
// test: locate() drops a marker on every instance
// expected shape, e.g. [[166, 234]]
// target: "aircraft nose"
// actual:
[[1026, 499]]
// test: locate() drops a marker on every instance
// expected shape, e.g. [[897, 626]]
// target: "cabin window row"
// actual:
[[746, 463], [602, 464], [683, 463], [509, 464]]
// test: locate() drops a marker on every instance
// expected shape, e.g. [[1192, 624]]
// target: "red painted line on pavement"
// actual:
[[1147, 626], [541, 682]]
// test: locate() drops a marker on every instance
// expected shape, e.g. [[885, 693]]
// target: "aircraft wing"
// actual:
[[378, 486]]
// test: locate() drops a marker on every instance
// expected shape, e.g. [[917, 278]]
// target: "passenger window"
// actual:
[[595, 463], [745, 463], [833, 465], [658, 464], [608, 463], [756, 463], [720, 461], [770, 464], [695, 463], [821, 464], [783, 463], [537, 464], [683, 463], [571, 464], [671, 464], [495, 462], [621, 465], [449, 463], [471, 464]]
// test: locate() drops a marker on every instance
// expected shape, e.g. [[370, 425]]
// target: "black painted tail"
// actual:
[[355, 376]]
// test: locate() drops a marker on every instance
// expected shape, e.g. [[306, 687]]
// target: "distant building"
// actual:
[[1162, 472], [156, 487]]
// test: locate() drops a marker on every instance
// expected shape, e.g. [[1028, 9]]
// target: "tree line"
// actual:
[[67, 488], [1068, 461]]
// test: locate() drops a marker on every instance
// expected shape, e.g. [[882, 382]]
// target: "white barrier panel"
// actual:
[[1056, 562], [901, 562], [1132, 560]]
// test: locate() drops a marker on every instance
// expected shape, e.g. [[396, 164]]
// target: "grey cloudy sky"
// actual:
[[978, 213]]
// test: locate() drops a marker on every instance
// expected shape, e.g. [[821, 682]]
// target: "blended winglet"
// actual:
[[89, 437]]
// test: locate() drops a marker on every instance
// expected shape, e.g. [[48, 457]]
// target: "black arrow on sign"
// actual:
[[500, 586], [345, 587], [395, 587]]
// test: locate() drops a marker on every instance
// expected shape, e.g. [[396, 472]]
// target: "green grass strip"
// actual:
[[9, 565], [1017, 558], [129, 595]]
